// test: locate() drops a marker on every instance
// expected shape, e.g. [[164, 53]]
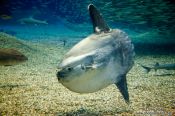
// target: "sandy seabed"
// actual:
[[31, 88]]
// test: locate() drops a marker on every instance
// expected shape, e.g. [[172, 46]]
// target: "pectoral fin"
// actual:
[[99, 24], [122, 86]]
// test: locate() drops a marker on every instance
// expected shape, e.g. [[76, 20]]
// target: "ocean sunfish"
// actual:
[[101, 59], [10, 57]]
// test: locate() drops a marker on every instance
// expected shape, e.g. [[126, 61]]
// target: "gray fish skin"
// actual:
[[101, 59], [159, 66]]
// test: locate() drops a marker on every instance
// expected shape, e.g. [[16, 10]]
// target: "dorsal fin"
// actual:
[[99, 24], [157, 64]]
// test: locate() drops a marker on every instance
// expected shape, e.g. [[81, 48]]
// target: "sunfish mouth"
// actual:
[[60, 75]]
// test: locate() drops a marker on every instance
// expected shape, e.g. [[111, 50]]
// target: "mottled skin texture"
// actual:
[[104, 57]]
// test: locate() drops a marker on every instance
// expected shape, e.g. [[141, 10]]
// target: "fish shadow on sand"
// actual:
[[11, 86], [79, 112], [86, 112], [167, 74]]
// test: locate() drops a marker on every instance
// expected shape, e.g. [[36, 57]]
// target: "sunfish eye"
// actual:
[[69, 68]]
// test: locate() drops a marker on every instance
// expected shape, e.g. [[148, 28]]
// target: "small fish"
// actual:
[[64, 42], [31, 20], [10, 57], [5, 17], [159, 66], [5, 12]]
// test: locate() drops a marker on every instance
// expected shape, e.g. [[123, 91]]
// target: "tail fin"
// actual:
[[45, 22], [156, 65], [147, 69]]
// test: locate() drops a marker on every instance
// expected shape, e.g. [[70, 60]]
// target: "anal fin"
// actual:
[[122, 86]]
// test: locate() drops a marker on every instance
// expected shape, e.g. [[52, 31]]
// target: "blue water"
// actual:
[[30, 32], [146, 22]]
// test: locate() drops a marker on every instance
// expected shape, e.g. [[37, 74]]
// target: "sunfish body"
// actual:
[[33, 21], [10, 57], [101, 59]]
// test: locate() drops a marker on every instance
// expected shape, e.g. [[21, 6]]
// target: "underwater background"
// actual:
[[149, 23], [44, 30]]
